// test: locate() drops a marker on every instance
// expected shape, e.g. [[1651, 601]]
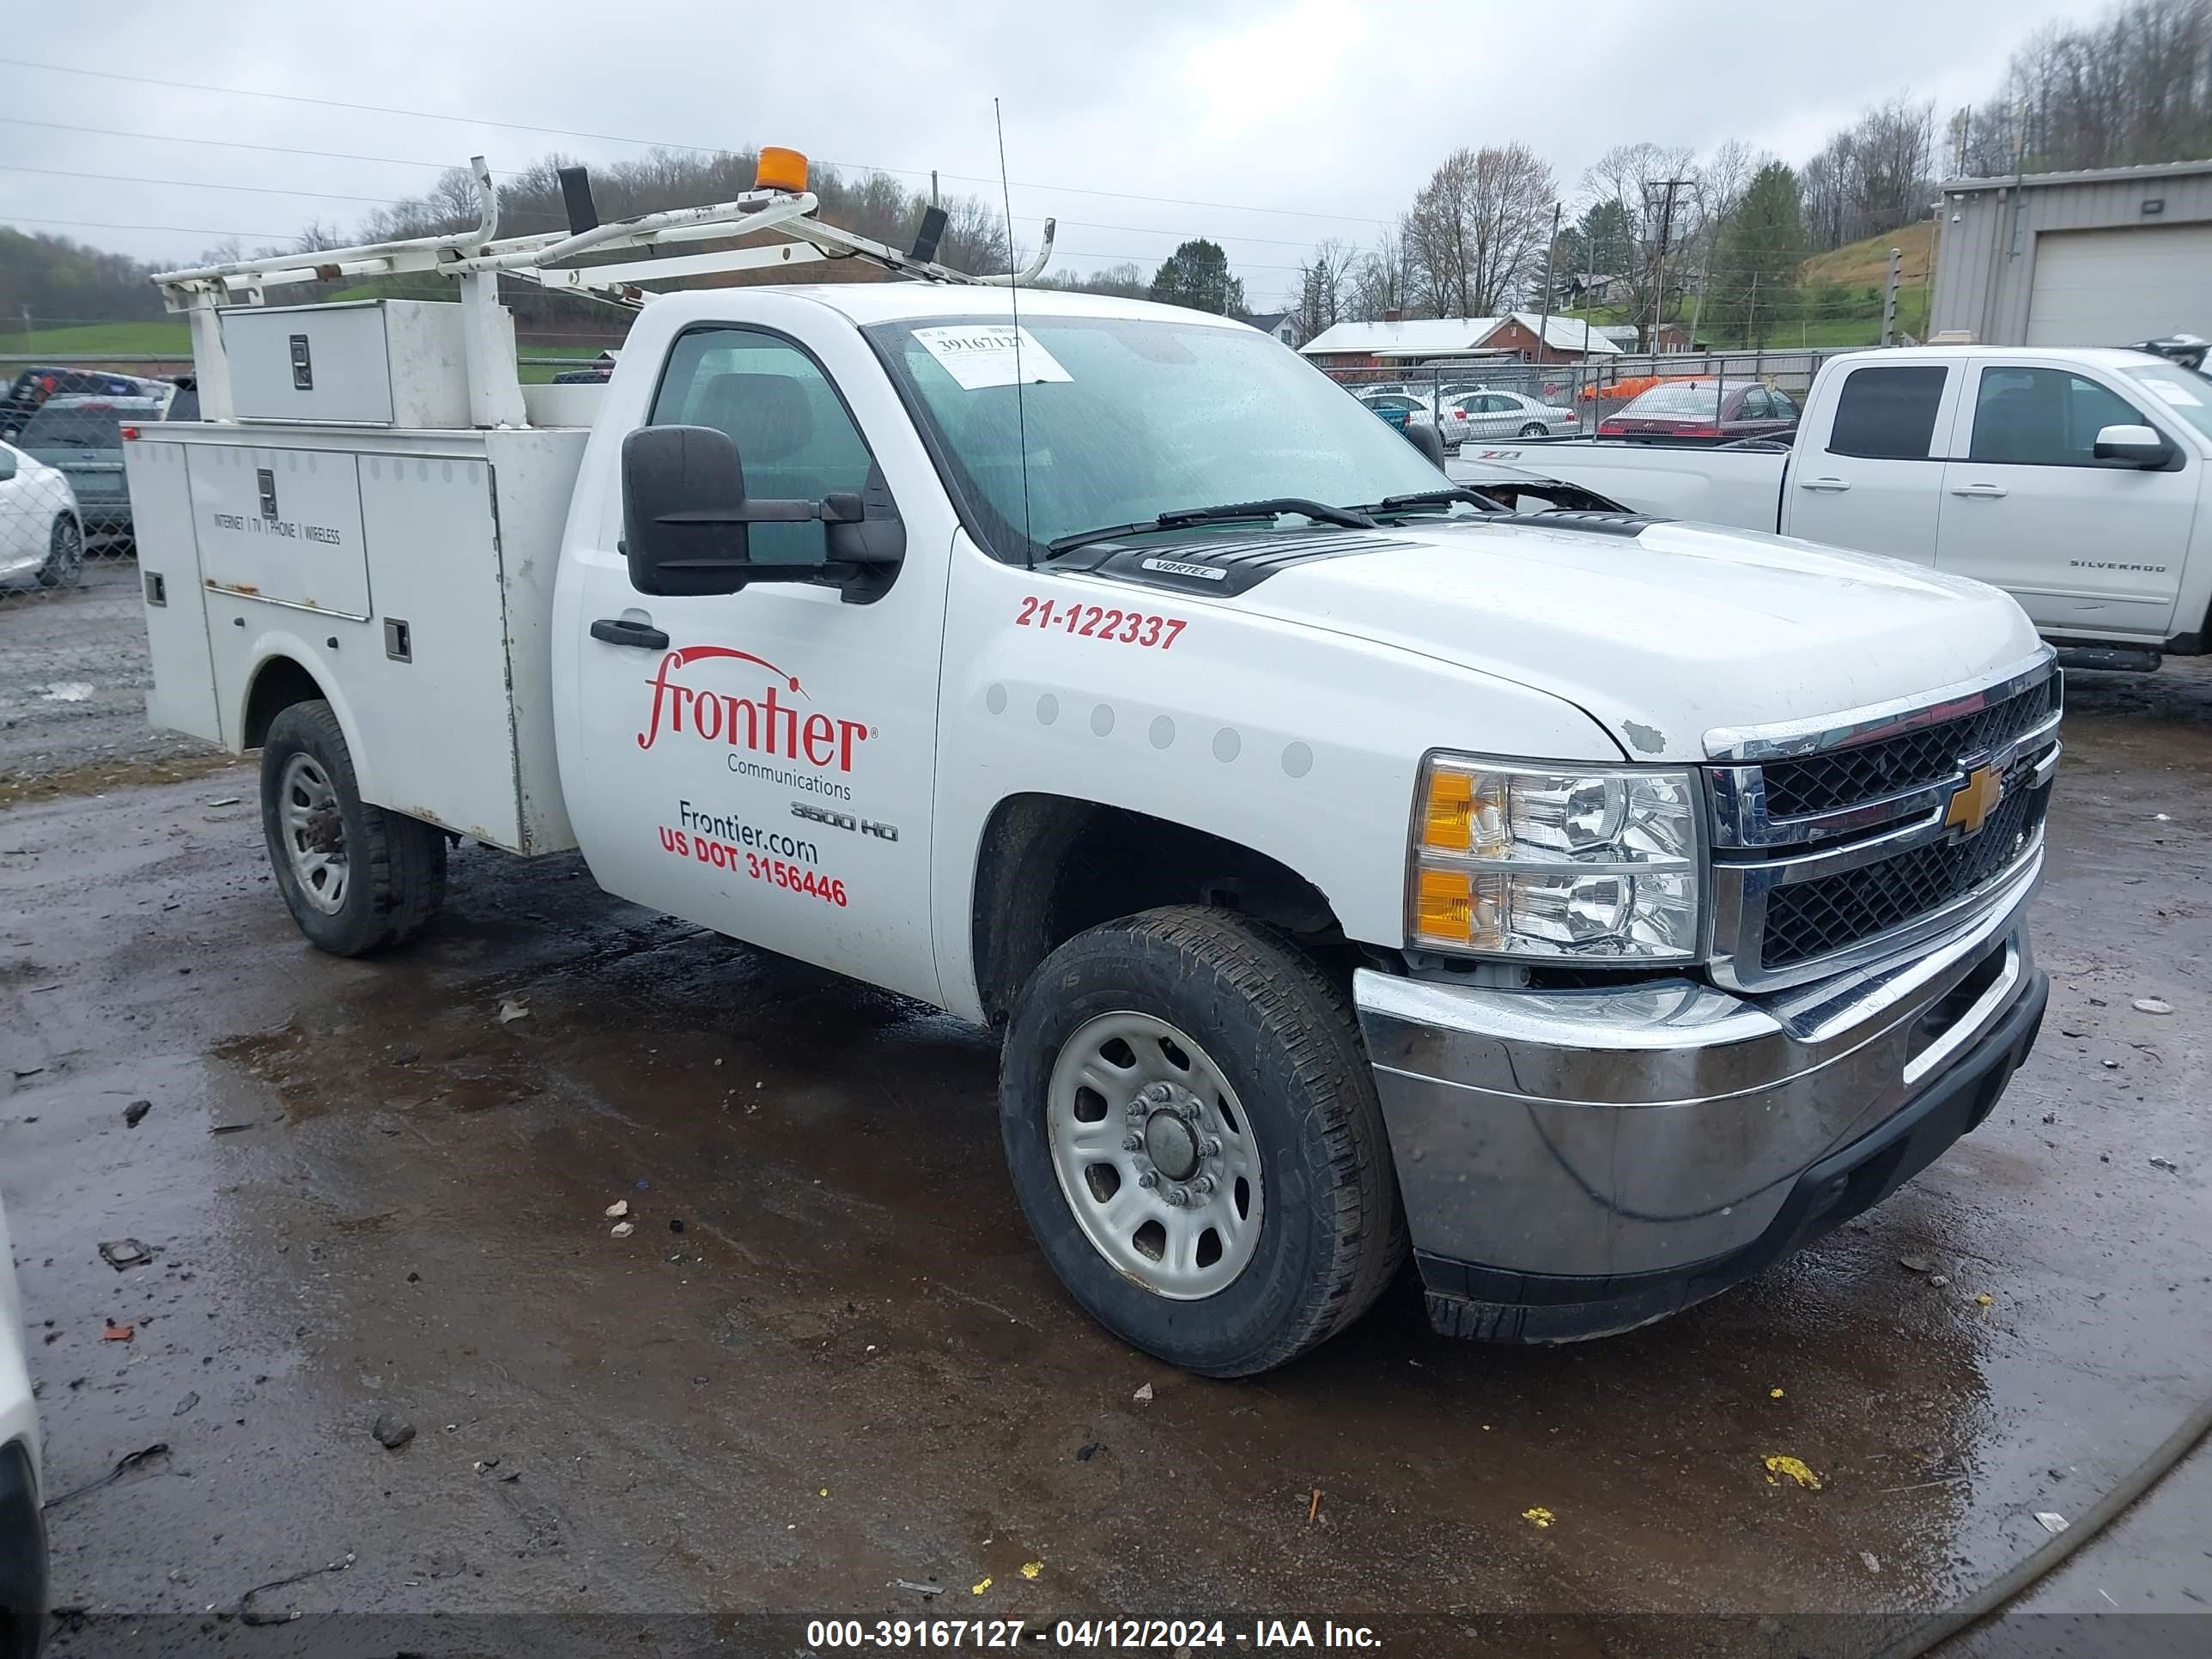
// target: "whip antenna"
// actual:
[[1013, 297]]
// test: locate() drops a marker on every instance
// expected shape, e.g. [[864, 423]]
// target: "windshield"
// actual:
[[73, 428], [2184, 391], [1128, 418]]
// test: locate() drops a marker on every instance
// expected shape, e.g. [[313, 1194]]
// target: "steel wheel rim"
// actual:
[[68, 560], [1168, 1114], [314, 830]]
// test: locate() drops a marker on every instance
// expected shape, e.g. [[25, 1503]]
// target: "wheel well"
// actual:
[[280, 684], [1052, 867]]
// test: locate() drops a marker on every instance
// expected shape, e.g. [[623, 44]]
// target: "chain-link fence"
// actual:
[[1495, 399], [73, 663]]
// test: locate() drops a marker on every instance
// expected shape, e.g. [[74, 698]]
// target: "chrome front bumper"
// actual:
[[1611, 1155]]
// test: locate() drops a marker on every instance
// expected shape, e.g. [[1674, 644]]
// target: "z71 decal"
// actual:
[[1094, 622]]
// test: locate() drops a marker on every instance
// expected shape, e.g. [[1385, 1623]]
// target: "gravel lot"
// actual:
[[829, 1360]]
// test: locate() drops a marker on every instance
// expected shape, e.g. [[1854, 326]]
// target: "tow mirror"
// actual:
[[1428, 440], [2134, 446], [687, 522]]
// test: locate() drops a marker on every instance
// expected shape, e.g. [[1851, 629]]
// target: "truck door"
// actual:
[[2083, 544], [761, 762], [1870, 475]]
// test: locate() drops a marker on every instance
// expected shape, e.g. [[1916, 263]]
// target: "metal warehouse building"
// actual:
[[2105, 258]]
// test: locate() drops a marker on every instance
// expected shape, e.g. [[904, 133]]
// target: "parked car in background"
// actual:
[[1494, 414], [1715, 410], [1412, 409], [34, 386], [22, 1532], [1394, 407], [41, 536], [84, 437]]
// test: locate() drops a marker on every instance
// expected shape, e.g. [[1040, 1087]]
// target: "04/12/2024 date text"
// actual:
[[1094, 622]]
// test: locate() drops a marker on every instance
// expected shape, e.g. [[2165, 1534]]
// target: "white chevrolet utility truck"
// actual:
[[1599, 906], [2078, 480]]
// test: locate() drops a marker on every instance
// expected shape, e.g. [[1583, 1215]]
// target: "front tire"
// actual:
[[1194, 1138], [1534, 429], [357, 878], [65, 565]]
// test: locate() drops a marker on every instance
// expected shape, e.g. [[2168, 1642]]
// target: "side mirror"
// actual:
[[2135, 445], [1428, 440], [686, 521]]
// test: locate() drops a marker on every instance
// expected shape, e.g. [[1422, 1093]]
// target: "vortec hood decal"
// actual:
[[770, 723]]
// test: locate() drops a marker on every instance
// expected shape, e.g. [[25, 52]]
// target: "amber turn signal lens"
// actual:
[[1445, 908], [780, 169], [1448, 819]]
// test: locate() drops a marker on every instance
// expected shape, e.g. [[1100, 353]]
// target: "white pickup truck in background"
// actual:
[[2078, 480], [1351, 860]]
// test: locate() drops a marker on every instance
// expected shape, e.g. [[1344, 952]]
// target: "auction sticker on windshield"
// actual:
[[980, 354]]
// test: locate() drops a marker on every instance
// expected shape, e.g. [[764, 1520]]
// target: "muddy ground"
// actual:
[[74, 675], [828, 1359]]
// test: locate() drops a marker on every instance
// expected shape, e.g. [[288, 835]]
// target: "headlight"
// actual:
[[1597, 862]]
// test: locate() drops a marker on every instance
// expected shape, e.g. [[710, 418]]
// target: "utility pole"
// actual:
[[1659, 256], [1551, 276]]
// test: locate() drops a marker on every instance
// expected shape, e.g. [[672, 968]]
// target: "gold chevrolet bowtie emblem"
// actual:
[[1973, 801]]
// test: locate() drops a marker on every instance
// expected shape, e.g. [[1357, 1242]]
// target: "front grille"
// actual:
[[1847, 777], [1812, 918]]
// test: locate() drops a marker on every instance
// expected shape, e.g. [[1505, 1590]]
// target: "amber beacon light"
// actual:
[[780, 169]]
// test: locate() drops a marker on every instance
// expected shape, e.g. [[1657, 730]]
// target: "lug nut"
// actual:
[[1209, 1147], [1203, 1186], [1177, 1196], [1133, 1142], [1137, 1109], [1150, 1179]]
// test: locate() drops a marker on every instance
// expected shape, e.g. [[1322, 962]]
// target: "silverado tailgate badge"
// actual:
[[1973, 801]]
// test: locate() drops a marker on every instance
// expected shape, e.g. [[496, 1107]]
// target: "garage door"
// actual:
[[2097, 287]]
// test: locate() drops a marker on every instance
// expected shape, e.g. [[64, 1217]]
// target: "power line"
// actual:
[[648, 143], [388, 200], [235, 143], [181, 230], [194, 183]]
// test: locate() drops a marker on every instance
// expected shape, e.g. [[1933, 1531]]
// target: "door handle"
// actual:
[[1824, 483], [621, 630], [1981, 492]]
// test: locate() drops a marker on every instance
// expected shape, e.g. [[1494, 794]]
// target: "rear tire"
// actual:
[[1534, 429], [1273, 1082], [357, 878], [65, 565]]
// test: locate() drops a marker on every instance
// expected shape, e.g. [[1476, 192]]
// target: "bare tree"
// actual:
[[1632, 179], [2134, 87], [1379, 284], [1324, 280], [1476, 229]]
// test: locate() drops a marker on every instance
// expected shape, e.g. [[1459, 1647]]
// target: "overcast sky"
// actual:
[[1265, 125]]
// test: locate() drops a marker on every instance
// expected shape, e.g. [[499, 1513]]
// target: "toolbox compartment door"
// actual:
[[182, 696], [283, 524]]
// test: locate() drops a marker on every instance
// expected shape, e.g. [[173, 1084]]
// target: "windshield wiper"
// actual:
[[1320, 512], [1444, 497]]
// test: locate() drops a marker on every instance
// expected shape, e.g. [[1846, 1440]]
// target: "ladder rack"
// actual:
[[477, 258]]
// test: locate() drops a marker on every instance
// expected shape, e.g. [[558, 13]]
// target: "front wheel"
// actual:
[[1534, 429], [65, 565], [1194, 1138], [357, 879]]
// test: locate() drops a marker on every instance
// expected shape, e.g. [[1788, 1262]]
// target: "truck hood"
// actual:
[[1665, 635]]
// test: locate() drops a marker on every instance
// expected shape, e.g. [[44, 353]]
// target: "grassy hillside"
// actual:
[[164, 338], [173, 339], [1866, 264]]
